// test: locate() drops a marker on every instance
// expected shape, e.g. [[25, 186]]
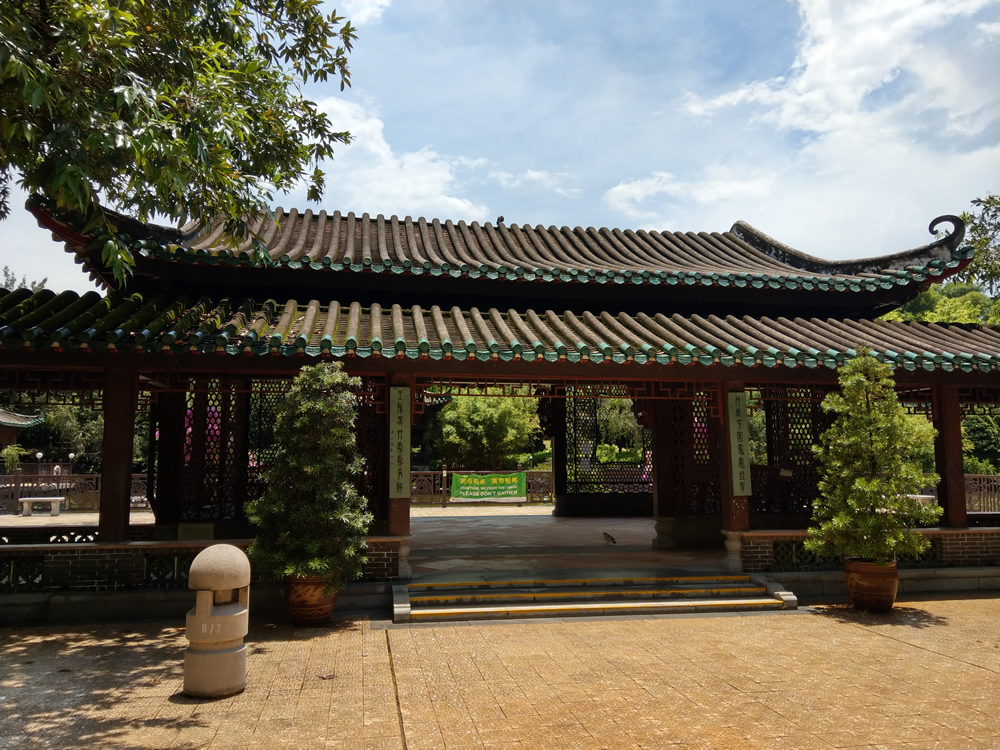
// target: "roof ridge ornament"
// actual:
[[943, 249]]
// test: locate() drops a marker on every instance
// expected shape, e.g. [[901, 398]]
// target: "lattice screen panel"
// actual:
[[697, 458], [265, 395], [372, 431], [213, 476], [794, 421], [584, 473]]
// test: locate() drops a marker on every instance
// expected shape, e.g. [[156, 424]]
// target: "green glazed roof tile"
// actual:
[[42, 320]]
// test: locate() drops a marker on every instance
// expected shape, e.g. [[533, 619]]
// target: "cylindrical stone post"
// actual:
[[215, 663]]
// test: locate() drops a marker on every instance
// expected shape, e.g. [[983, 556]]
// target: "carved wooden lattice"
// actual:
[[794, 421], [265, 395], [696, 461], [980, 401], [213, 474], [584, 473], [228, 438], [372, 431]]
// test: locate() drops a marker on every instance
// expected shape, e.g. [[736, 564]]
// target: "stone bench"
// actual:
[[54, 503]]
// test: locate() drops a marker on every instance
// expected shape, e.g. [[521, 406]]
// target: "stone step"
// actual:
[[593, 609], [555, 593], [636, 579], [579, 597]]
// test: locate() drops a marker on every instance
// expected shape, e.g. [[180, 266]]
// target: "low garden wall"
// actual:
[[775, 551], [140, 565]]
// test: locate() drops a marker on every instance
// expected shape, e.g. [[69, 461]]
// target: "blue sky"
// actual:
[[839, 127]]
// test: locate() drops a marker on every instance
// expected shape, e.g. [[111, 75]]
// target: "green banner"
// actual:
[[489, 488]]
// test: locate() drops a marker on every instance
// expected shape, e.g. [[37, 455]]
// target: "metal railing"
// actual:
[[82, 492], [982, 493]]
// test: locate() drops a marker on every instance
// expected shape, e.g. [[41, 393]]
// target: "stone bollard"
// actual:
[[215, 663]]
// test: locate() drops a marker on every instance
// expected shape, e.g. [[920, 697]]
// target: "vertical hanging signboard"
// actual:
[[399, 442], [739, 443]]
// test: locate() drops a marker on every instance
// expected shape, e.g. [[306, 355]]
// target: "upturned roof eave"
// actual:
[[789, 269]]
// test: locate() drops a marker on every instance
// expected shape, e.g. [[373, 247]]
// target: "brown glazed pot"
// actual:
[[871, 586], [306, 602]]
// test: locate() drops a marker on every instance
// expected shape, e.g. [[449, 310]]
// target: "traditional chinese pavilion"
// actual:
[[204, 339]]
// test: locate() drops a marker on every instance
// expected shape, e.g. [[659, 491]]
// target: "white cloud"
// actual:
[[883, 122], [848, 51], [369, 176], [988, 34], [363, 12], [653, 200], [553, 182]]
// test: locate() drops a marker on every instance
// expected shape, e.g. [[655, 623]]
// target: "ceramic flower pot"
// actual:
[[871, 586], [306, 602]]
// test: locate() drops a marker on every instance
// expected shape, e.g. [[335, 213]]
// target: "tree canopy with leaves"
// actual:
[[484, 432], [983, 233], [178, 109]]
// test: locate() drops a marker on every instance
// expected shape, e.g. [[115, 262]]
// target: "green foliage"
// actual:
[[311, 519], [981, 439], [918, 307], [983, 233], [952, 302], [539, 460], [181, 110], [958, 288], [870, 460], [973, 465], [969, 308], [607, 454], [923, 433], [617, 423], [80, 430], [757, 429], [485, 432], [11, 456], [9, 281]]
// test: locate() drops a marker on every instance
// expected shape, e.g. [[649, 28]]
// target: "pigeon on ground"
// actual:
[[608, 539]]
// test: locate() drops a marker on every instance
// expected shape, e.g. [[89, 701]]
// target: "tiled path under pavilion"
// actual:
[[496, 540]]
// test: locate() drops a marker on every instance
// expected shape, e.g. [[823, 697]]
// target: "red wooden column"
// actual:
[[664, 474], [121, 391], [948, 456], [557, 422]]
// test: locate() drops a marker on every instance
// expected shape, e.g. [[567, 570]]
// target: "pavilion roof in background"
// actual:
[[13, 419], [419, 261], [181, 324]]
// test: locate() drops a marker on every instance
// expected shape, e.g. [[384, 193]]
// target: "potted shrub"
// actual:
[[871, 469], [312, 522]]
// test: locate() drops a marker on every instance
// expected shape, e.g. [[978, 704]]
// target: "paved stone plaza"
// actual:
[[925, 676]]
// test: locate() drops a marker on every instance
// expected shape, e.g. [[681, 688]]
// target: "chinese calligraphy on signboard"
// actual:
[[399, 442], [739, 443]]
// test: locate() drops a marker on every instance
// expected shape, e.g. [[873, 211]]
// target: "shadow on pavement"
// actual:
[[901, 614]]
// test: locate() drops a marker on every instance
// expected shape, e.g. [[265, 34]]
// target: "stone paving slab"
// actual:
[[925, 676]]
